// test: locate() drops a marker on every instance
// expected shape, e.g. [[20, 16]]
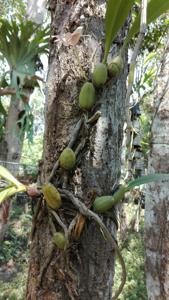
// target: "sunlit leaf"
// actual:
[[116, 14], [10, 191], [147, 179], [5, 174]]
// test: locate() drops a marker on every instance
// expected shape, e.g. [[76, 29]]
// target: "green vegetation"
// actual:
[[32, 152], [14, 254], [133, 253]]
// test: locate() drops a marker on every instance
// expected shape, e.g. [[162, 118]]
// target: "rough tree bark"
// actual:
[[86, 269], [157, 203]]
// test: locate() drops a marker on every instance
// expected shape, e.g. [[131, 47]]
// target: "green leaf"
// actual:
[[2, 109], [4, 173], [116, 14], [147, 179], [155, 9], [10, 191], [20, 44]]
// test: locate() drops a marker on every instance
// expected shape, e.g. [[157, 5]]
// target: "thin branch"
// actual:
[[7, 91], [94, 118], [46, 264], [56, 165], [90, 214], [75, 133], [59, 221], [72, 225], [35, 77], [34, 220]]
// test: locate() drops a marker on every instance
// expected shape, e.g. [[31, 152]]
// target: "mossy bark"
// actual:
[[86, 269]]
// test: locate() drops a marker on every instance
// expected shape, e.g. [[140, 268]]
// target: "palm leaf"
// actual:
[[20, 43]]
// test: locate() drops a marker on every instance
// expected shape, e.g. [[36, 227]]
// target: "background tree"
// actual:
[[157, 207], [21, 44]]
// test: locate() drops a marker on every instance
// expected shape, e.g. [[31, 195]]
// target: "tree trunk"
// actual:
[[86, 269], [157, 204], [10, 152], [12, 135]]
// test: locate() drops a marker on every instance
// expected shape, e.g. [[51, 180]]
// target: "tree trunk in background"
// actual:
[[36, 10], [88, 273], [10, 152], [157, 199], [12, 135]]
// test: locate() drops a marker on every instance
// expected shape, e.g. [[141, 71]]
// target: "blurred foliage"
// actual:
[[147, 70], [145, 121], [133, 254], [2, 125], [12, 8], [14, 254], [155, 35], [16, 238], [31, 153], [25, 123], [21, 44], [37, 102]]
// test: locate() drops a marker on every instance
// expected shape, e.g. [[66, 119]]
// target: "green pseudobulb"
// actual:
[[60, 240], [116, 66], [87, 96], [104, 203], [100, 74], [67, 159], [51, 195]]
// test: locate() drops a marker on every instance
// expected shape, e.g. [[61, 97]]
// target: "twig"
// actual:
[[7, 91], [72, 225], [80, 146], [75, 132], [90, 214], [134, 57], [45, 265], [59, 221], [94, 118], [56, 165], [52, 225], [35, 219]]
